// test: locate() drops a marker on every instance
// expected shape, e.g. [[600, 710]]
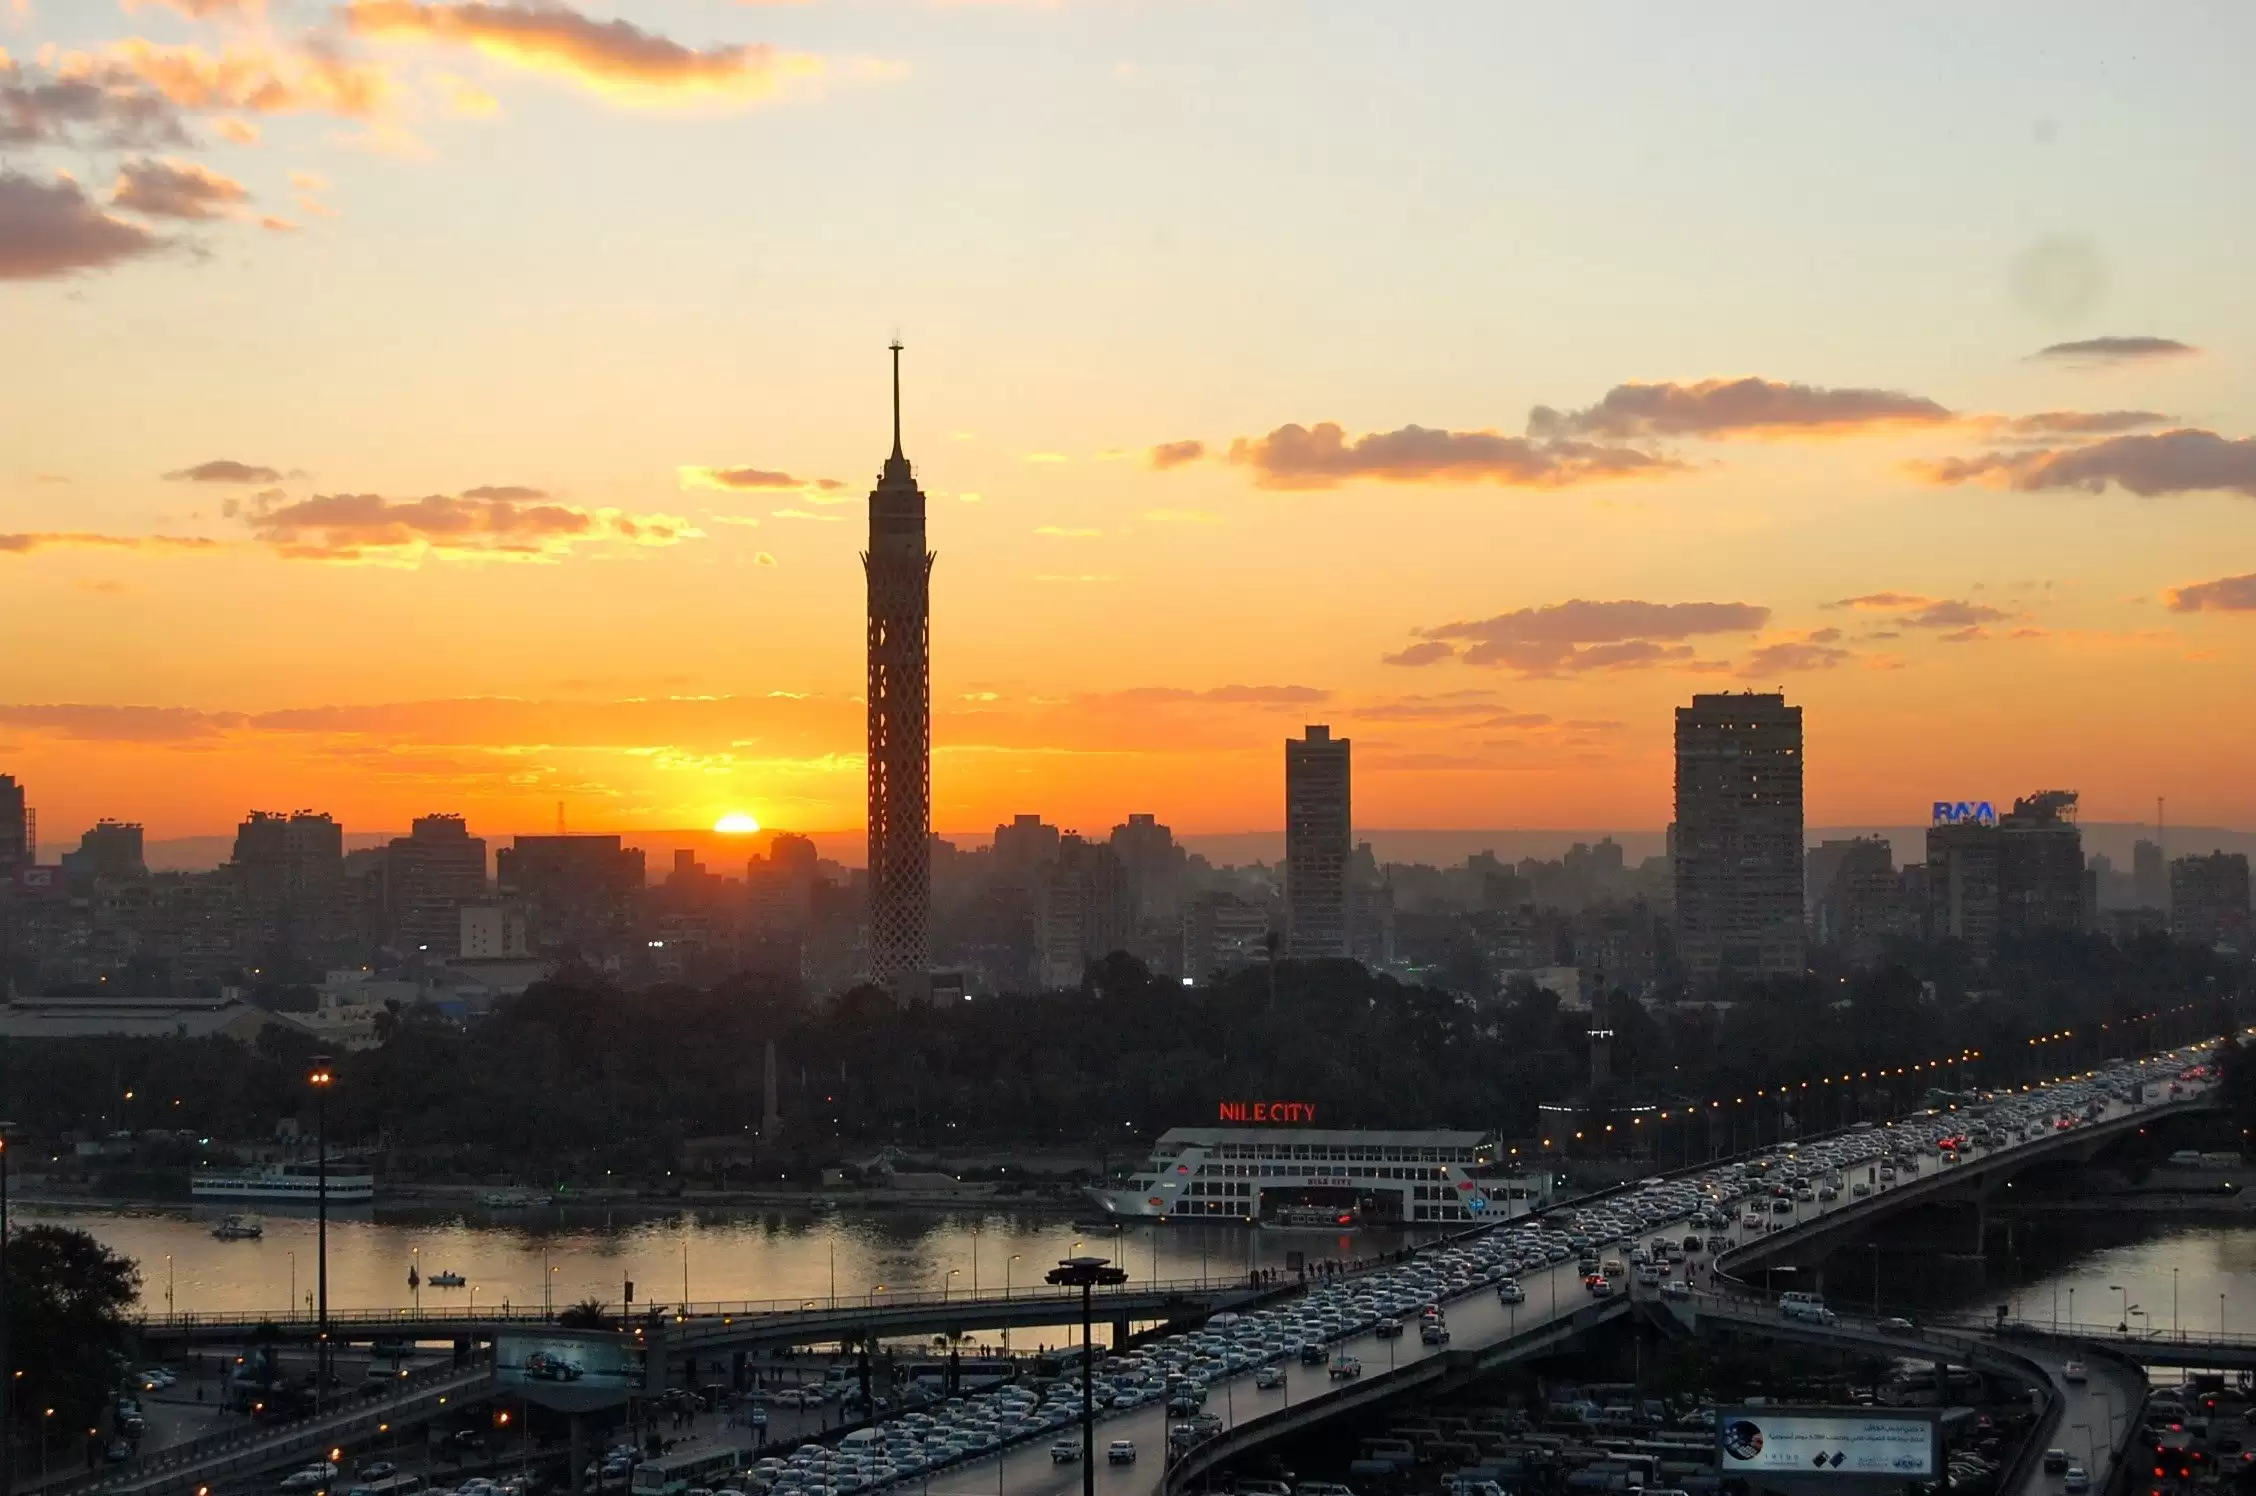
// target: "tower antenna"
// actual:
[[895, 345]]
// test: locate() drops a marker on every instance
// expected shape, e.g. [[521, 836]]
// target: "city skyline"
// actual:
[[476, 501]]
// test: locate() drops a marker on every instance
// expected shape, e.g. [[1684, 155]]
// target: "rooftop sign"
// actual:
[[1965, 813], [1267, 1111]]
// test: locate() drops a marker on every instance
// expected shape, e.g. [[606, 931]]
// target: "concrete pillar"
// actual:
[[578, 1456], [1119, 1333], [1942, 1384]]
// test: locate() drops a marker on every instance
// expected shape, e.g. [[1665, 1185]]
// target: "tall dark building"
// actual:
[[18, 847], [1319, 840], [582, 893], [290, 870], [2209, 900], [1738, 839], [430, 875], [899, 572], [1989, 883]]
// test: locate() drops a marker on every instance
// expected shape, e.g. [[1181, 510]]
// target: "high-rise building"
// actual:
[[290, 871], [1992, 882], [1027, 843], [1222, 931], [1082, 911], [1865, 901], [1737, 841], [1319, 840], [17, 846], [2209, 900], [2149, 877], [110, 850], [430, 876], [579, 893], [899, 573], [1155, 862]]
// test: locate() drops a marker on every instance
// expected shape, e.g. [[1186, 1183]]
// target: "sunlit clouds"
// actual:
[[53, 229], [2169, 462], [503, 523], [1323, 456], [1719, 409], [2105, 351]]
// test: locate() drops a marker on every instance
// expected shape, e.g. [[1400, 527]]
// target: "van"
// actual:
[[862, 1439]]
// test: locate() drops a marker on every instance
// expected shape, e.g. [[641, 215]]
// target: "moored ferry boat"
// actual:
[[1293, 1175], [283, 1183]]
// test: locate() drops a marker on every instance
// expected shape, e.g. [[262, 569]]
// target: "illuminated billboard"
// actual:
[[570, 1370], [1827, 1444], [1964, 813]]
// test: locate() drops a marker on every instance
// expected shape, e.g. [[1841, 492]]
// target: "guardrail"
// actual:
[[200, 1461], [409, 1317]]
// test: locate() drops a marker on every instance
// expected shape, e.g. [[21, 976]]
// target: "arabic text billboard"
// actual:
[[1826, 1443]]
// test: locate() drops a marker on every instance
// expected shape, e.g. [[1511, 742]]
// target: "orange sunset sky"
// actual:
[[417, 406]]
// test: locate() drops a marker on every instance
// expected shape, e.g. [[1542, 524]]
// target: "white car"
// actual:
[[2072, 1372], [1065, 1452], [310, 1477], [1121, 1452]]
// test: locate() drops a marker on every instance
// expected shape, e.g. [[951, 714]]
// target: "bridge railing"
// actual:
[[408, 1317]]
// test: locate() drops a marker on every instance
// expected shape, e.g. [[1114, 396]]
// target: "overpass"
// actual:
[[748, 1324]]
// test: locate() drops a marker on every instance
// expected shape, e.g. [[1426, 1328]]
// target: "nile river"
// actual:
[[515, 1257]]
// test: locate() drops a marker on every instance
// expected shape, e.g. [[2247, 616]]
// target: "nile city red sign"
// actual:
[[1268, 1111]]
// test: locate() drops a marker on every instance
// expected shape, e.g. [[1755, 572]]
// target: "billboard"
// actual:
[[1777, 1444], [1964, 813], [569, 1370]]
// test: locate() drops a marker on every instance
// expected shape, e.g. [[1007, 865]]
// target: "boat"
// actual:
[[446, 1280], [298, 1183], [512, 1199], [239, 1228], [1300, 1177]]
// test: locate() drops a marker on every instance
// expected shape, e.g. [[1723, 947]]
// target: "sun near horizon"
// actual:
[[736, 823]]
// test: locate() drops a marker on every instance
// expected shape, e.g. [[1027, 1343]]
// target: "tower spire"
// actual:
[[895, 345]]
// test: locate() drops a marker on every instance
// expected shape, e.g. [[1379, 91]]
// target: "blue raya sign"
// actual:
[[1965, 813]]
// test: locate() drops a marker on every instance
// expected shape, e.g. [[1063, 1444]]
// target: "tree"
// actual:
[[587, 1314], [67, 1301]]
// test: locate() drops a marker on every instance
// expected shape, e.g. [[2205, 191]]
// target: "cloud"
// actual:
[[54, 229], [2095, 352], [1424, 652], [84, 103], [176, 189], [1949, 614], [1792, 655], [2081, 422], [113, 724], [222, 470], [615, 59], [1300, 457], [1972, 634], [832, 519], [202, 10], [1881, 601], [1067, 532], [23, 544], [2188, 460], [236, 131], [1173, 455], [1580, 635], [252, 77], [751, 479], [500, 523], [1277, 696], [274, 224], [1719, 409], [2224, 595]]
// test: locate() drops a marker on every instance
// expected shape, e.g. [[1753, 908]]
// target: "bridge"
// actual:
[[1486, 1335], [748, 1324]]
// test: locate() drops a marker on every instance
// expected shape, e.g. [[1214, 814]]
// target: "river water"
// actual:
[[727, 1256]]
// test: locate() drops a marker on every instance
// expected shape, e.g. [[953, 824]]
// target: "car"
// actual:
[[1314, 1354], [309, 1478], [2075, 1482], [1121, 1452], [2056, 1462], [1346, 1368], [1896, 1324], [378, 1470], [1434, 1333], [1676, 1288], [1388, 1328], [1510, 1292], [1269, 1378], [118, 1452], [1065, 1452], [2072, 1372]]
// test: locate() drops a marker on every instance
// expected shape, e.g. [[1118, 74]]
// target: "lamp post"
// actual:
[[2175, 1333], [7, 1369], [975, 1259], [948, 1283], [321, 1078], [1007, 1273], [1086, 1273], [2122, 1326]]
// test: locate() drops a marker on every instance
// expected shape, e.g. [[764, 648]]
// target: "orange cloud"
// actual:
[[202, 10], [762, 480], [83, 102], [24, 544], [1300, 457], [2224, 595], [225, 470], [2187, 460], [1719, 409], [506, 523], [254, 78], [613, 58], [2094, 352], [1173, 455], [176, 189], [1580, 635]]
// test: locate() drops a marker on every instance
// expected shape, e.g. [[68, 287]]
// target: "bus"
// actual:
[[673, 1474]]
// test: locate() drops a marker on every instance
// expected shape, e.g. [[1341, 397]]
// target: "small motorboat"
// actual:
[[447, 1280], [239, 1228]]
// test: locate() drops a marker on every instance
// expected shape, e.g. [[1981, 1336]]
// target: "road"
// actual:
[[1478, 1319]]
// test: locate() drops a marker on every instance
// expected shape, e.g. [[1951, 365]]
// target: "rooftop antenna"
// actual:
[[895, 345]]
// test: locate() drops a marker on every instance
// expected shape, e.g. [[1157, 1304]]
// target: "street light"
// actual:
[[321, 1078], [2123, 1327], [1006, 1273], [1086, 1273], [949, 1282]]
